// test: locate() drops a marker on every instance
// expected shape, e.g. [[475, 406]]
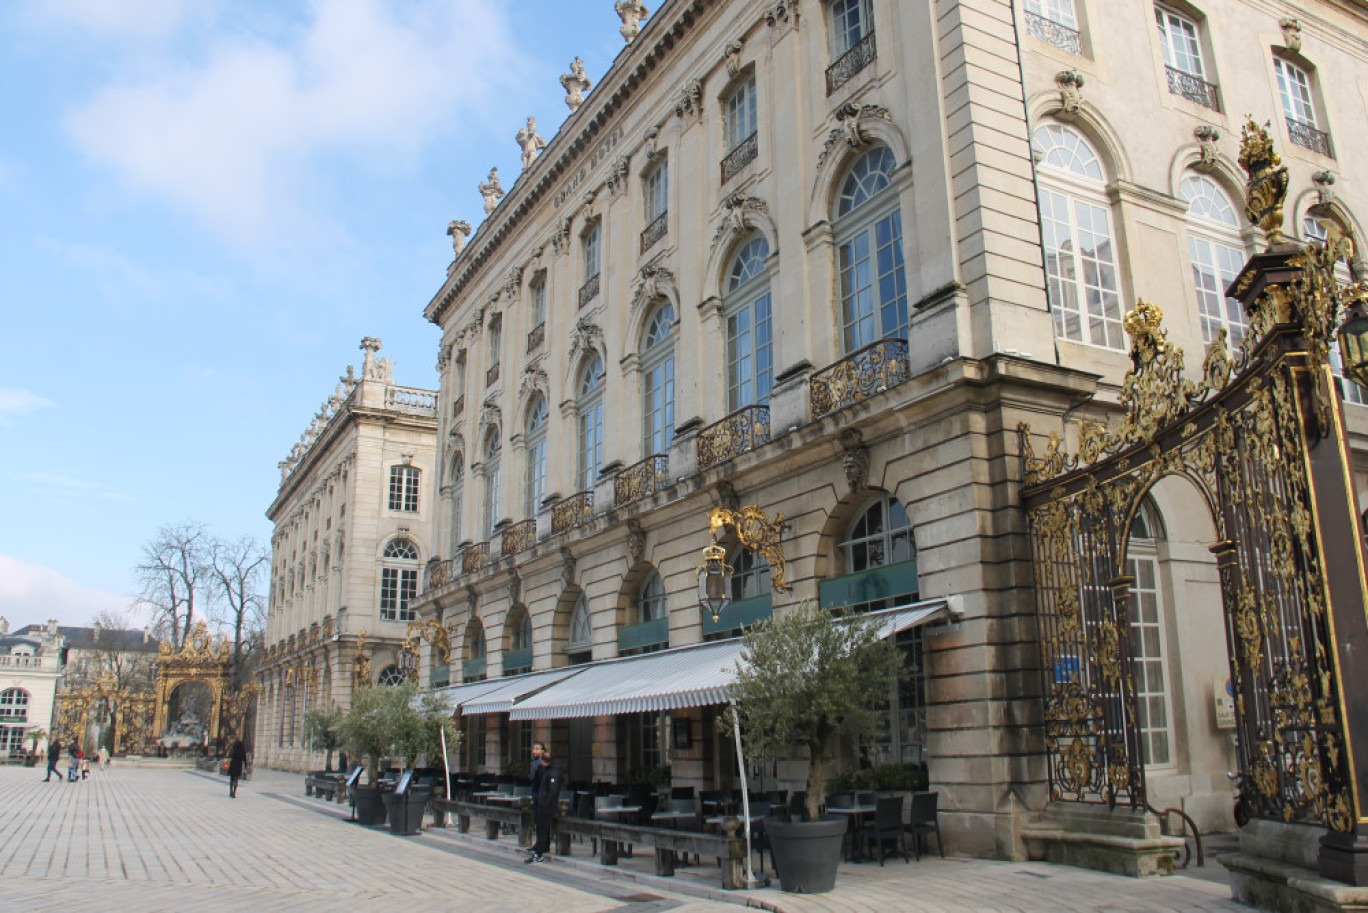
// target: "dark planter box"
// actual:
[[370, 805], [806, 853], [406, 811]]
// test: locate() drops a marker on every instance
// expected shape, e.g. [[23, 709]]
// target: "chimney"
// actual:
[[52, 627], [4, 625]]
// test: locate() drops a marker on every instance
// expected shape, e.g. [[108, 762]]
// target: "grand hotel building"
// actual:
[[823, 256]]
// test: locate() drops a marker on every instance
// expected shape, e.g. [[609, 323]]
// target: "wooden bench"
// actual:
[[326, 786], [495, 817]]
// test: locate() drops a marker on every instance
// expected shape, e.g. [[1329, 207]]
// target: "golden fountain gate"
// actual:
[[1261, 436]]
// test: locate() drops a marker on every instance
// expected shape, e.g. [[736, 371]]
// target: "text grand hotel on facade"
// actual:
[[823, 257]]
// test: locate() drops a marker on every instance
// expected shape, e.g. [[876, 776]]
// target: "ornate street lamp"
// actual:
[[756, 533], [1353, 334]]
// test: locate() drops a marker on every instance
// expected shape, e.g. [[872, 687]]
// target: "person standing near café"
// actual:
[[546, 787], [54, 755]]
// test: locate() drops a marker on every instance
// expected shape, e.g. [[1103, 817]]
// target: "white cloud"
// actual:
[[146, 19], [31, 593], [19, 402], [242, 134], [61, 487]]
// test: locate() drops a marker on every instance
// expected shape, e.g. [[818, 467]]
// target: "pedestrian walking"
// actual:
[[546, 787], [237, 761], [103, 757], [54, 754], [73, 765]]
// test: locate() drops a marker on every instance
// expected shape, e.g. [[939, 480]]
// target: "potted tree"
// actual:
[[367, 730], [419, 729], [34, 736], [806, 680], [322, 729]]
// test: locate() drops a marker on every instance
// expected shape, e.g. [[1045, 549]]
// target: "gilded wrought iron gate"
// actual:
[[1241, 435]]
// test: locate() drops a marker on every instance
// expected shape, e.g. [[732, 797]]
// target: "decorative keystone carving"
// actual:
[[514, 586], [567, 566], [492, 191], [734, 220], [854, 458], [530, 142], [631, 12], [652, 283], [636, 542], [460, 233], [690, 100], [617, 175], [731, 57], [1070, 84], [1207, 137], [575, 84], [649, 142], [727, 496], [533, 378], [1291, 29], [1325, 187], [515, 276], [849, 127], [584, 338], [560, 238]]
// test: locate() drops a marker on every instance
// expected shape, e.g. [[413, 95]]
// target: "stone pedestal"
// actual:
[[1270, 884], [1121, 841]]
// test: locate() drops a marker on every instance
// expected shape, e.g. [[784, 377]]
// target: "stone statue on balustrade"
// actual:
[[575, 84], [460, 233], [492, 191], [531, 143], [631, 12]]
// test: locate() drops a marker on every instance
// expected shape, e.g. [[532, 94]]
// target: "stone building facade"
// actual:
[[353, 524], [30, 667], [823, 256]]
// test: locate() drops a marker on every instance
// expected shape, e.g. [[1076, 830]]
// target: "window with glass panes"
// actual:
[[1215, 249], [869, 247], [740, 113], [457, 497], [581, 639], [534, 484], [1057, 11], [590, 247], [1314, 230], [491, 481], [398, 580], [1082, 281], [1294, 87], [590, 414], [880, 535], [1178, 35], [851, 21], [1147, 639], [750, 358], [651, 599], [403, 488], [658, 379], [657, 192], [538, 293]]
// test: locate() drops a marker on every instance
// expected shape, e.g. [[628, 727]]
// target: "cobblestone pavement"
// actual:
[[167, 839]]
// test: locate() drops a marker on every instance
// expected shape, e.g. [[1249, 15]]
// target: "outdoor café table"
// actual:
[[507, 799], [487, 795], [855, 814], [615, 810]]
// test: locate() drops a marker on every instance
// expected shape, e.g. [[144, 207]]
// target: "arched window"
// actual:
[[1215, 248], [518, 654], [534, 485], [881, 535], [474, 668], [658, 368], [522, 639], [1147, 635], [870, 252], [390, 675], [398, 580], [491, 481], [1075, 226], [651, 599], [590, 410], [750, 356], [581, 638], [750, 575]]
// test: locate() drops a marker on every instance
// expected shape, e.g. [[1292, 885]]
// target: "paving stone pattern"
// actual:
[[171, 840]]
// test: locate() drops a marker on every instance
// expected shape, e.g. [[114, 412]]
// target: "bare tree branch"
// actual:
[[174, 576], [236, 570]]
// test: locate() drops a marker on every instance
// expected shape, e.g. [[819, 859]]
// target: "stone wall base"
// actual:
[[1270, 884], [1122, 842]]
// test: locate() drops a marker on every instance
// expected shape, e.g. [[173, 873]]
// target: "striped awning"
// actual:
[[455, 695], [513, 689]]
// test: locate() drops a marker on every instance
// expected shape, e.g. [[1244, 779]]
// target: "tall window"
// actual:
[[750, 359], [1299, 108], [491, 481], [658, 367], [1183, 58], [475, 652], [519, 640], [1215, 248], [495, 336], [1314, 230], [538, 295], [1147, 636], [1075, 225], [651, 599], [851, 21], [870, 252], [657, 204], [740, 126], [534, 486], [403, 488], [457, 498], [287, 715], [13, 720], [750, 577], [1053, 21], [590, 409], [581, 639], [398, 580]]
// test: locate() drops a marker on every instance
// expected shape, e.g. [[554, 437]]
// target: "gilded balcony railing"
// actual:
[[641, 480], [573, 511], [458, 407], [1047, 30], [858, 376], [739, 157], [492, 375], [1193, 88], [1308, 137], [589, 290], [475, 555], [536, 337], [741, 432], [439, 573], [518, 537], [654, 232], [860, 55], [411, 400]]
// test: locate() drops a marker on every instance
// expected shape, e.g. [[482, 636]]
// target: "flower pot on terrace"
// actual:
[[370, 805], [806, 853], [406, 810]]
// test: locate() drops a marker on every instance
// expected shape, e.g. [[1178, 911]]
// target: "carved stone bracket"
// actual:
[[1291, 29], [1070, 84], [649, 143], [560, 238], [514, 586], [514, 282], [567, 566], [1325, 188], [781, 16], [586, 336], [653, 282], [617, 175], [1207, 138], [733, 224], [533, 378], [727, 496], [731, 57], [854, 458], [689, 103], [849, 127]]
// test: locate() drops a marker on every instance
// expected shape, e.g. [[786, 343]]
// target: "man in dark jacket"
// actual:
[[54, 755], [546, 787], [237, 763]]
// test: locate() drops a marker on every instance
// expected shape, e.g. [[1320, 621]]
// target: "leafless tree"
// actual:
[[114, 653], [236, 570], [175, 577]]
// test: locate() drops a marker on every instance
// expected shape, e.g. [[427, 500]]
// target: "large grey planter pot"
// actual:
[[370, 805], [806, 853], [406, 811]]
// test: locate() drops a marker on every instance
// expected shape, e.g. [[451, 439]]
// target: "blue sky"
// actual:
[[204, 206]]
